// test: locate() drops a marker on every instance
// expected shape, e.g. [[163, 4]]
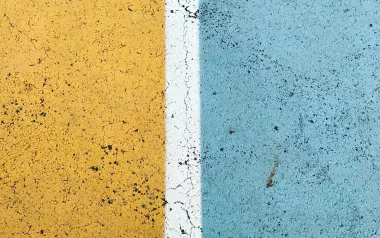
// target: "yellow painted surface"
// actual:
[[82, 118]]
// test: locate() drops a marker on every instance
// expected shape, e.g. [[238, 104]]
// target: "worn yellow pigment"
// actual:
[[82, 118]]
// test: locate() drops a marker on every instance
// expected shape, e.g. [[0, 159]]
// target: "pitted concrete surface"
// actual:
[[183, 164], [82, 129], [290, 118]]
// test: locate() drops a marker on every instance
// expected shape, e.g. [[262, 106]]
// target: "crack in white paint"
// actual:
[[183, 168]]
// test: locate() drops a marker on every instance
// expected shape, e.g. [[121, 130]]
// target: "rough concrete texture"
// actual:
[[183, 185], [82, 125], [290, 118]]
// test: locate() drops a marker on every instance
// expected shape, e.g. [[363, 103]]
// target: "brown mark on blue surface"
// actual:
[[270, 183]]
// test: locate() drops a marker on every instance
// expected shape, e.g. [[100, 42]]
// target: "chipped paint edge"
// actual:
[[183, 167]]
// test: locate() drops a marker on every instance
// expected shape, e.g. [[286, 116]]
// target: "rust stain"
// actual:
[[270, 183]]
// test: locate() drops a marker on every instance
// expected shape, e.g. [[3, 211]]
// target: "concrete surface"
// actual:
[[290, 118], [183, 185], [292, 85], [82, 127], [259, 119]]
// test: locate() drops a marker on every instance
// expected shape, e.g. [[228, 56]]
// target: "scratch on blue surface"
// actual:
[[297, 81]]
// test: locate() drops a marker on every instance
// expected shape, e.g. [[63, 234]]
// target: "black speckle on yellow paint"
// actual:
[[74, 91], [94, 168]]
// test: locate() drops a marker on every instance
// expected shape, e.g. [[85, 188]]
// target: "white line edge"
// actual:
[[183, 167]]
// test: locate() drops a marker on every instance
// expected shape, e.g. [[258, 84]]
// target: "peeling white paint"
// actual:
[[183, 169]]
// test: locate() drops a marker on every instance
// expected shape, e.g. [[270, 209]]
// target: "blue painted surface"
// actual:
[[296, 82]]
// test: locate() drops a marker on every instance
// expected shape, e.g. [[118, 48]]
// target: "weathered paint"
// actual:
[[82, 127], [183, 185], [290, 118]]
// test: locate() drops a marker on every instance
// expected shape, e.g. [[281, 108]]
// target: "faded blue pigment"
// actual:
[[293, 84]]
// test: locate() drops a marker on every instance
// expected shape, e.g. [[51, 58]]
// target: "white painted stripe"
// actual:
[[183, 169]]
